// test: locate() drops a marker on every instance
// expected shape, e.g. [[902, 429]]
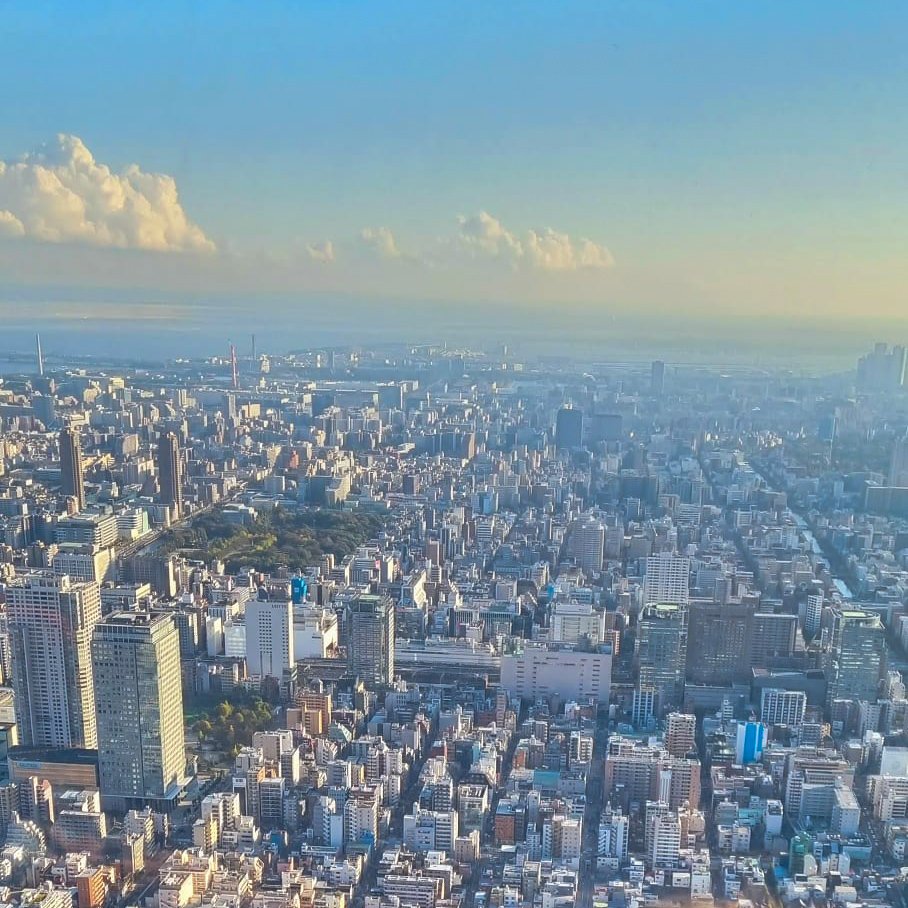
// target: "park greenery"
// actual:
[[230, 726], [283, 537]]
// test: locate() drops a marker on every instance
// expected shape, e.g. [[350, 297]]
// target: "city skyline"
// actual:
[[454, 455], [725, 161]]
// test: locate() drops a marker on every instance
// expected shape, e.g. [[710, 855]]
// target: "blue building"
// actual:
[[750, 742]]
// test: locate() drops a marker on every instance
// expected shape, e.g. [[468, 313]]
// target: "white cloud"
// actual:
[[484, 236], [380, 240], [62, 195], [321, 252], [553, 251], [10, 225]]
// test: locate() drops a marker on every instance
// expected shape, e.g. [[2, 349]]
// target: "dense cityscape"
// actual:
[[433, 627]]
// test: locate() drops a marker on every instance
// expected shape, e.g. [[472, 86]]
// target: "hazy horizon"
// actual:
[[175, 325]]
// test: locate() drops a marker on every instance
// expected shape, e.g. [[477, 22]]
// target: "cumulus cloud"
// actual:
[[484, 236], [555, 251], [10, 225], [321, 252], [380, 240], [61, 194]]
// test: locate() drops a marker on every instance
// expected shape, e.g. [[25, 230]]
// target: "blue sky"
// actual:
[[727, 154]]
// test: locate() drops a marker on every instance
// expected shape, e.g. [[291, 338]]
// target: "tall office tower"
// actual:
[[858, 655], [718, 650], [71, 481], [773, 638], [51, 620], [139, 697], [680, 734], [588, 543], [882, 369], [661, 652], [898, 466], [269, 637], [657, 378], [170, 473], [370, 639], [569, 428], [667, 579], [782, 707]]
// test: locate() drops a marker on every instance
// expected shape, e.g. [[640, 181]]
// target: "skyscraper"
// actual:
[[569, 428], [858, 655], [588, 543], [898, 466], [657, 377], [269, 637], [370, 639], [662, 652], [718, 650], [139, 697], [71, 481], [667, 579], [882, 369], [51, 620], [170, 474]]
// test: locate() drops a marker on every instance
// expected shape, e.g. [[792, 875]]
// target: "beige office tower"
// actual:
[[139, 697], [680, 734], [50, 621]]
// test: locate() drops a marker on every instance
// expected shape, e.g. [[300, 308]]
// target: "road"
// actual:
[[593, 814]]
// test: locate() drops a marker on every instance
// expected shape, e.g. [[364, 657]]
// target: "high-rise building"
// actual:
[[170, 473], [588, 543], [773, 638], [370, 639], [50, 622], [667, 579], [882, 369], [569, 428], [718, 641], [858, 655], [749, 742], [613, 835], [898, 465], [636, 770], [657, 378], [782, 707], [269, 637], [71, 471], [139, 698], [680, 734], [813, 615], [662, 652], [664, 830]]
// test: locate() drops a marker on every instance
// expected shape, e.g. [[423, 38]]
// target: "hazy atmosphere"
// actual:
[[722, 160]]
